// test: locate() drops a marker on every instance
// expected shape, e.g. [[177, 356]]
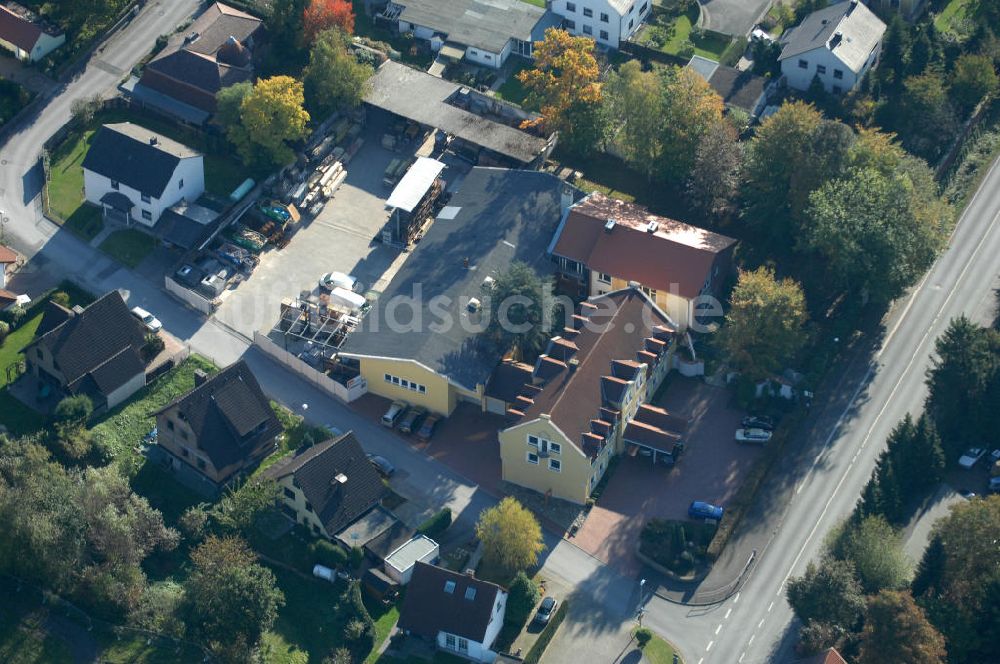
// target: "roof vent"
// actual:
[[488, 282], [574, 364], [652, 226], [340, 478], [200, 377], [191, 37], [152, 140], [609, 225]]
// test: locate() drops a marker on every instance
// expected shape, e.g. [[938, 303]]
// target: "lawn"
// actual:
[[512, 89], [658, 651], [383, 627], [120, 432], [953, 16], [129, 247], [673, 35], [65, 186]]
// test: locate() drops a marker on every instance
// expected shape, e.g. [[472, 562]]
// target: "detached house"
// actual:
[[29, 37], [603, 245], [460, 613], [223, 427], [215, 52], [607, 22], [95, 351], [584, 400], [328, 486], [134, 174], [837, 45]]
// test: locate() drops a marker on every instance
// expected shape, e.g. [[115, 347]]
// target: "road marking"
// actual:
[[727, 613], [771, 605], [760, 624], [701, 660], [750, 642], [892, 393], [718, 628], [736, 599], [742, 655], [709, 646]]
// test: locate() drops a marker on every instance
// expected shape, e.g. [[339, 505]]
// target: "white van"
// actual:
[[345, 299]]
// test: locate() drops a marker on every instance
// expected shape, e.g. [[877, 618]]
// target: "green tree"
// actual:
[[973, 77], [827, 593], [875, 549], [519, 316], [270, 117], [765, 325], [510, 535], [634, 102], [74, 410], [334, 79], [691, 108], [231, 599], [965, 364], [870, 230], [239, 508], [521, 599], [715, 174], [896, 630], [923, 115]]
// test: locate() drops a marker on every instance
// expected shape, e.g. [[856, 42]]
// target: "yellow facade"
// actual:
[[293, 498], [572, 480], [413, 383], [673, 304]]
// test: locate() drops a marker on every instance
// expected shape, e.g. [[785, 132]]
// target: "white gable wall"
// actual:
[[187, 183], [480, 651], [816, 60], [45, 45], [618, 26]]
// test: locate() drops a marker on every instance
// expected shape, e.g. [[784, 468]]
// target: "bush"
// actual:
[[61, 298], [75, 410], [13, 316], [436, 525], [356, 557], [360, 630], [194, 522], [643, 635], [152, 347], [535, 654], [4, 331], [328, 554]]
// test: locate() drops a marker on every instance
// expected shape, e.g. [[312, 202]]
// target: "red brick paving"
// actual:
[[711, 470]]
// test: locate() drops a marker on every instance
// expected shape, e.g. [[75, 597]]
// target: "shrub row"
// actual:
[[436, 525]]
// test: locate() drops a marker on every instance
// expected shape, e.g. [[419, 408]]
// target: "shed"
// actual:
[[400, 563], [415, 184]]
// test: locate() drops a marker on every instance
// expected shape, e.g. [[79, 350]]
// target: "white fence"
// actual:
[[356, 388]]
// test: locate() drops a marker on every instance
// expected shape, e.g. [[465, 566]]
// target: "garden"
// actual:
[[673, 29], [680, 547], [13, 98]]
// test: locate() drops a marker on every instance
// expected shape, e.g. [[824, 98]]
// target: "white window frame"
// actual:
[[534, 441], [554, 448], [555, 465], [604, 277], [528, 458]]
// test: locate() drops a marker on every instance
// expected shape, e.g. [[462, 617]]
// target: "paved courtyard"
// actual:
[[711, 469], [340, 238], [732, 17]]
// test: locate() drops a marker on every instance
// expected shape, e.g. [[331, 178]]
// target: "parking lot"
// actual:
[[342, 238], [711, 469]]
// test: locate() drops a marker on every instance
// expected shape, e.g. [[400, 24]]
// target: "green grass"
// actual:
[[512, 89], [537, 3], [122, 430], [679, 31], [129, 247], [383, 627], [952, 16], [14, 415], [658, 651], [311, 623], [65, 186]]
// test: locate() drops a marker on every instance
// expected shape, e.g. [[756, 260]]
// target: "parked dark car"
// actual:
[[382, 465], [757, 422], [426, 430], [411, 421], [545, 610]]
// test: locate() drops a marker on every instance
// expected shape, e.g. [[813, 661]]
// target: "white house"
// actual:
[[484, 32], [459, 613], [26, 35], [134, 175], [608, 22], [399, 564], [838, 45]]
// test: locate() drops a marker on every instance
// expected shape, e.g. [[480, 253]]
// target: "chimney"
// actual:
[[652, 226], [566, 199], [609, 225], [851, 7], [574, 364], [200, 377], [152, 140], [837, 37], [77, 309]]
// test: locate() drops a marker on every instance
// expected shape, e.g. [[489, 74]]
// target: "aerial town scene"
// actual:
[[500, 331]]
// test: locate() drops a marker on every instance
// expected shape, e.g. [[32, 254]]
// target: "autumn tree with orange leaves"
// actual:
[[564, 88], [321, 15]]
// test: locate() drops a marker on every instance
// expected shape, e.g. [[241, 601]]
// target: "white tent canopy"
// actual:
[[415, 184]]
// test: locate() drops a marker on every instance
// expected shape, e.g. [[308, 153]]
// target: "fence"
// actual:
[[189, 297], [317, 378]]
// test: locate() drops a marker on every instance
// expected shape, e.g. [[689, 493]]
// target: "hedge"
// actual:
[[535, 654], [328, 554], [436, 525]]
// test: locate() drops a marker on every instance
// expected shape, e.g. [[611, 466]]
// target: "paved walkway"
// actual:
[[29, 77]]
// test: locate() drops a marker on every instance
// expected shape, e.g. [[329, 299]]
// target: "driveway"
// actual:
[[711, 469], [340, 238], [732, 17]]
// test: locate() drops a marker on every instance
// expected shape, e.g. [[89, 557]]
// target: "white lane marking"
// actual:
[[718, 628], [760, 624], [750, 642], [701, 660], [736, 599], [728, 612], [892, 393], [709, 646], [742, 655], [770, 606]]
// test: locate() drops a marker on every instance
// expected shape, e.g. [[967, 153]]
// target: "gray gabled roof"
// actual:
[[848, 29], [136, 156], [485, 24], [498, 216]]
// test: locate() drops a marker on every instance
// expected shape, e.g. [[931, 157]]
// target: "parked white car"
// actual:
[[971, 457], [332, 280], [752, 436], [151, 322]]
